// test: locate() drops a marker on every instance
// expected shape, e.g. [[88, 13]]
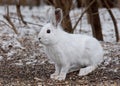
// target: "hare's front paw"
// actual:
[[58, 77], [54, 76], [61, 77]]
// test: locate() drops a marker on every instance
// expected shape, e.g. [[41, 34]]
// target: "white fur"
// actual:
[[70, 50]]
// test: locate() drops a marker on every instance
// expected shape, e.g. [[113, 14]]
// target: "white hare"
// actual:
[[67, 50]]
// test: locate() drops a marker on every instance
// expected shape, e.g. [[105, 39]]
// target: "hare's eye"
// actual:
[[48, 31]]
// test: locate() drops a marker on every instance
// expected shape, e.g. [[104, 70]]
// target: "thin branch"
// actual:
[[49, 2], [1, 49], [34, 24], [5, 23], [28, 22], [40, 25], [7, 17], [83, 14], [113, 19], [10, 22]]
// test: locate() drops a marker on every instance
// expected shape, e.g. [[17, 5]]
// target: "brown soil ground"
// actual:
[[107, 74]]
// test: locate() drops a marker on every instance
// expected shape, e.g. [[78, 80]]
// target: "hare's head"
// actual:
[[50, 31]]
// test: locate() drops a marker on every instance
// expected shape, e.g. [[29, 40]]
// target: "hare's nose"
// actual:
[[39, 38]]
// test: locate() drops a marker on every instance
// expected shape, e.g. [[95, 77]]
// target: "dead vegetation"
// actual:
[[25, 70]]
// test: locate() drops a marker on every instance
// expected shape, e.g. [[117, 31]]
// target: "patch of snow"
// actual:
[[1, 58], [31, 62], [107, 60], [10, 54], [19, 64]]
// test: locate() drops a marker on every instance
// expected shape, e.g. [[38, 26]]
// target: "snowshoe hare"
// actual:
[[68, 50]]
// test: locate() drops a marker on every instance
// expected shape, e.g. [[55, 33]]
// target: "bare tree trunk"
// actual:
[[118, 4], [66, 23], [19, 12], [79, 3], [94, 20]]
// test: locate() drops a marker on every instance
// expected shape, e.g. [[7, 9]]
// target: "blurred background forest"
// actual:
[[22, 58], [91, 8]]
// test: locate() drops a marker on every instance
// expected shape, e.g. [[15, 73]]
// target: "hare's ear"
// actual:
[[58, 16], [50, 15], [55, 16]]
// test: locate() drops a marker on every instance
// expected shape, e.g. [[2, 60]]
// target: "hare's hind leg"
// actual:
[[87, 70]]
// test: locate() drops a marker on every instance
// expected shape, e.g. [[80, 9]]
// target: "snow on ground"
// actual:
[[24, 54], [13, 44]]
